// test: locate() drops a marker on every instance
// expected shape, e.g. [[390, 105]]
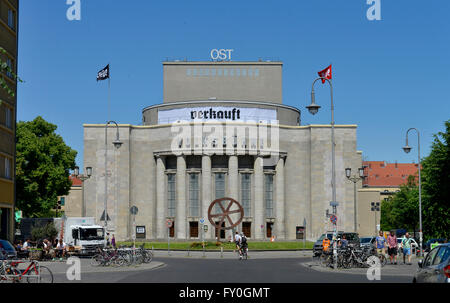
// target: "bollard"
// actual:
[[189, 251], [221, 252]]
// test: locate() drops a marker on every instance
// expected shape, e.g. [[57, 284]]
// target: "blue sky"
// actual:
[[388, 75]]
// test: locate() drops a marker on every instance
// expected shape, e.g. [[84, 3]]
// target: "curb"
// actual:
[[347, 271]]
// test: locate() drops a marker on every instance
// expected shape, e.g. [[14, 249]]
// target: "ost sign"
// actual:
[[221, 54]]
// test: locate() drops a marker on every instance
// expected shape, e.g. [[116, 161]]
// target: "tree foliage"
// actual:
[[42, 167], [402, 210], [436, 187]]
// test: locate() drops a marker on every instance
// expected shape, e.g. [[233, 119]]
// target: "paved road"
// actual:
[[230, 270]]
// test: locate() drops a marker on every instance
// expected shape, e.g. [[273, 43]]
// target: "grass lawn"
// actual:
[[226, 245]]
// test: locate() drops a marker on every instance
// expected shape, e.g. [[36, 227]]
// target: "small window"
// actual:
[[7, 168], [8, 117], [10, 65], [442, 256], [11, 19]]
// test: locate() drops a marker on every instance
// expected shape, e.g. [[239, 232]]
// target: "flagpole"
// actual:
[[109, 92]]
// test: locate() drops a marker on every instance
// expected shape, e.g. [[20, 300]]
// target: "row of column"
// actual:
[[181, 224]]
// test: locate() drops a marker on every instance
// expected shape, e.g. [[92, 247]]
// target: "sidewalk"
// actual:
[[389, 270]]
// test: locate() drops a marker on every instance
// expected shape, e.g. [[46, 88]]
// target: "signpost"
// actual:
[[169, 225], [134, 210]]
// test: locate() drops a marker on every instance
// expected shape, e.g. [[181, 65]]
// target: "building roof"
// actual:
[[75, 181], [383, 174]]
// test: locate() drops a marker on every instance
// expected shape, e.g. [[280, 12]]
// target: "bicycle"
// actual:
[[243, 253], [34, 272]]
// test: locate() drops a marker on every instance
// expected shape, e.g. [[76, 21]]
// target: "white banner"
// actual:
[[216, 113]]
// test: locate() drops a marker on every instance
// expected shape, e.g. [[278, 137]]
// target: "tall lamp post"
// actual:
[[117, 144], [83, 178], [313, 108], [355, 179], [407, 149], [375, 206]]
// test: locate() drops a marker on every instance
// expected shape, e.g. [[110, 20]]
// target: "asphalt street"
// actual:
[[231, 270]]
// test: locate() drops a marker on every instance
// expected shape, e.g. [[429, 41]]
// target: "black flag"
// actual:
[[103, 74]]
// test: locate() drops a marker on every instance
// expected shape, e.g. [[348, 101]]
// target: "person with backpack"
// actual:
[[243, 246], [406, 246]]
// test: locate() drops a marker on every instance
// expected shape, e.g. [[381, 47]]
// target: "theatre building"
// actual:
[[222, 130]]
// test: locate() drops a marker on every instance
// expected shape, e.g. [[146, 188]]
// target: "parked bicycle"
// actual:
[[33, 273]]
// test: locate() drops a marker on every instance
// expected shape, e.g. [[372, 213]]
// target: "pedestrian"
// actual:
[[380, 244], [406, 246], [107, 240], [113, 242], [392, 247]]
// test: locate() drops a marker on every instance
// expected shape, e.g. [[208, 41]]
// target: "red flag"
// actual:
[[326, 73]]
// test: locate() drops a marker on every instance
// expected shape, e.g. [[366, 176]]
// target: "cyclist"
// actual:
[[237, 241], [243, 245]]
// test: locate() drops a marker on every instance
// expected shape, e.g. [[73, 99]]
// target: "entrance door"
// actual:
[[193, 229], [222, 231], [269, 229]]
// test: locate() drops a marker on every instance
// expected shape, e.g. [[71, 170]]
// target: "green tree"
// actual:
[[436, 187], [402, 209], [42, 167]]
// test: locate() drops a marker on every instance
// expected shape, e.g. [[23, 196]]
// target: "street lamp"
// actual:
[[313, 108], [355, 179], [375, 206], [117, 144], [407, 149], [83, 178]]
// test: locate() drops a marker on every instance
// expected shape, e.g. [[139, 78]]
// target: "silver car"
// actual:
[[435, 268]]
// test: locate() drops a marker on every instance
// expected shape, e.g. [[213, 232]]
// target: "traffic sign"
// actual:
[[202, 221], [333, 219], [169, 223], [205, 228]]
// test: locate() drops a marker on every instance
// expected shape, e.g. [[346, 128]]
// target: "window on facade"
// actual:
[[193, 229], [8, 119], [171, 197], [269, 196], [10, 65], [247, 229], [220, 189], [171, 162], [7, 168], [194, 201], [246, 194], [11, 19]]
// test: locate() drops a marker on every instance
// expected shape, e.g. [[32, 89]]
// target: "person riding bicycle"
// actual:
[[237, 240], [243, 244]]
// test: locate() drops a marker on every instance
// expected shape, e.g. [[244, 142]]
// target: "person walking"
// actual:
[[381, 245], [392, 247], [113, 242], [406, 246]]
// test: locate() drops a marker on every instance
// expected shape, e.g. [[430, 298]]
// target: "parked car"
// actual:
[[435, 268], [367, 241], [352, 238], [7, 251]]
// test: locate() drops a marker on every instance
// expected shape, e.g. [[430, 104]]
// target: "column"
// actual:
[[233, 188], [279, 206], [181, 218], [259, 200], [161, 201], [206, 190]]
